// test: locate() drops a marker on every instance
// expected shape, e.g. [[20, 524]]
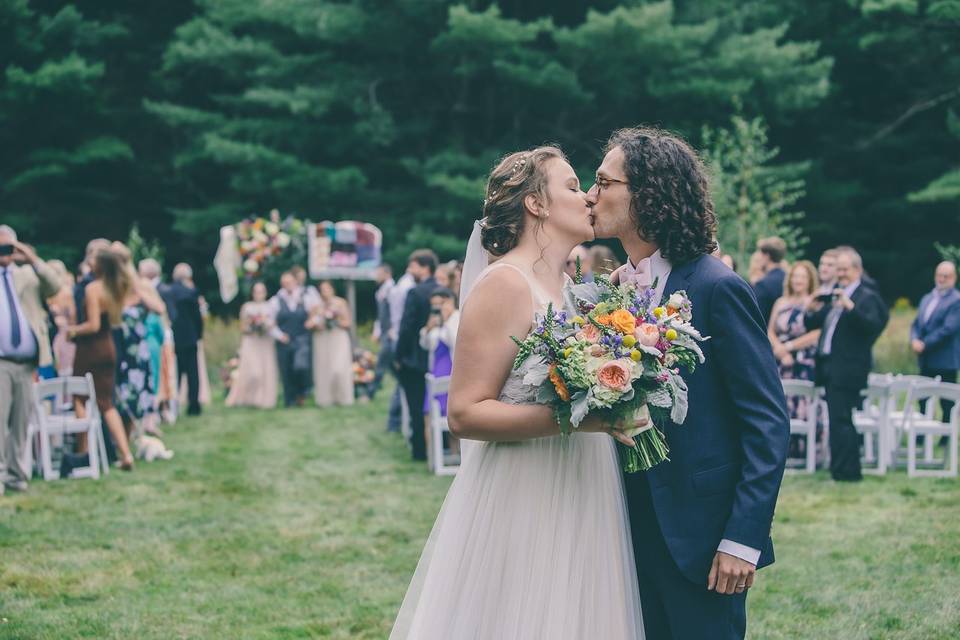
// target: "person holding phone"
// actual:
[[25, 282], [852, 317]]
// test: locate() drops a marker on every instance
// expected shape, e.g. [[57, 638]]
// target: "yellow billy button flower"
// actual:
[[635, 355], [578, 320], [567, 352], [670, 335], [629, 341], [659, 311]]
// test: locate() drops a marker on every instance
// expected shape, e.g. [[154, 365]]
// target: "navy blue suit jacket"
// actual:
[[727, 459], [941, 333]]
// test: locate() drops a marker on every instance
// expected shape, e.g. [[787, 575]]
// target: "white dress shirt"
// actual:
[[27, 349], [657, 269], [397, 298]]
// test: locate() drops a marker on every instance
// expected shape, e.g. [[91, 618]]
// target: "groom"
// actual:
[[700, 522]]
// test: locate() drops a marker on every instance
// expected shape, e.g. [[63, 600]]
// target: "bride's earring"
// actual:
[[545, 215]]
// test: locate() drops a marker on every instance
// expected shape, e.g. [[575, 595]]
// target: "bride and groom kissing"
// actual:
[[542, 536]]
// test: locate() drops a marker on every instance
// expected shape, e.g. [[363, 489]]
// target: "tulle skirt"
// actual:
[[532, 542]]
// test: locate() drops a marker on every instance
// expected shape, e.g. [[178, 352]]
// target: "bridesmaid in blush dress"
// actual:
[[257, 376], [332, 349]]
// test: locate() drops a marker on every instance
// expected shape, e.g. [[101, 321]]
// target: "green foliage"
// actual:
[[753, 198], [141, 248], [191, 114], [948, 252]]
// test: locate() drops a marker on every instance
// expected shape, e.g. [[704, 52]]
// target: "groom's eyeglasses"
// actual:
[[603, 183]]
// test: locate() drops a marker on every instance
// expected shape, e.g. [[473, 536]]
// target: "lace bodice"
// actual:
[[514, 391]]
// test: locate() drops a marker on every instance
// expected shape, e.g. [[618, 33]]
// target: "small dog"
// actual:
[[150, 449]]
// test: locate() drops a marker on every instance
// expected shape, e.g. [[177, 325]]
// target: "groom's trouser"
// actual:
[[673, 607]]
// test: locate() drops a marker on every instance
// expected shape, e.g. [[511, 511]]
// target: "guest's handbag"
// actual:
[[301, 354]]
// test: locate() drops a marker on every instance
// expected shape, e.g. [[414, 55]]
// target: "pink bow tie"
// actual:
[[641, 275]]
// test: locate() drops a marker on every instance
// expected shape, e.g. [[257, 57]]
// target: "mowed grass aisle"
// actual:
[[308, 524]]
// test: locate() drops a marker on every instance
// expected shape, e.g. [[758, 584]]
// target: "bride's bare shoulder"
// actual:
[[503, 291]]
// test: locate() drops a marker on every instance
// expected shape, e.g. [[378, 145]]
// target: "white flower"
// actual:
[[283, 240], [250, 265], [271, 228], [676, 300]]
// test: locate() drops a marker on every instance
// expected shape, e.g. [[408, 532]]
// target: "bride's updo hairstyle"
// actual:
[[515, 177]]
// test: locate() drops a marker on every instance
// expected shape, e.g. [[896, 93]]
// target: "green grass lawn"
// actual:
[[308, 524]]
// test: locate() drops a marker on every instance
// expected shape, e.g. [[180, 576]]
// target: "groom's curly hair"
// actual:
[[670, 195]]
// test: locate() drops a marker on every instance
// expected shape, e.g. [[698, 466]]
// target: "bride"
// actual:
[[533, 539]]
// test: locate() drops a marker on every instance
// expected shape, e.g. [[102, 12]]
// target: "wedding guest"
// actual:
[[755, 268], [603, 260], [257, 376], [86, 275], [438, 337], [850, 325], [136, 393], [96, 350], [293, 339], [187, 332], [827, 271], [935, 332], [162, 346], [865, 278], [330, 320], [149, 271], [381, 326], [396, 300], [410, 358], [442, 276], [456, 272], [64, 314], [794, 346], [582, 253], [729, 260], [24, 345], [772, 252]]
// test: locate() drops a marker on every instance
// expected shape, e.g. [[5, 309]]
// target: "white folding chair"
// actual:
[[50, 397], [806, 427], [871, 422], [438, 426], [917, 424], [902, 400]]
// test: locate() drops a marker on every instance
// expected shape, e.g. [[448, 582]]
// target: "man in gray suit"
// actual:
[[25, 282]]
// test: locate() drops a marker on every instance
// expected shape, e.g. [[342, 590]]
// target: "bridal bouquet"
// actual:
[[620, 357]]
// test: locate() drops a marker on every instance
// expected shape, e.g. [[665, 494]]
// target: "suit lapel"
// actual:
[[679, 276]]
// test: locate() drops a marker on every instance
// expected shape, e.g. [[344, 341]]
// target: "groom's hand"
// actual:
[[730, 574]]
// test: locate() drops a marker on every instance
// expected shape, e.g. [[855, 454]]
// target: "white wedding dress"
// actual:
[[532, 542]]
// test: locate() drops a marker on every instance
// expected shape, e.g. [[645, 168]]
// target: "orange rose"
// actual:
[[623, 321], [559, 384], [647, 334], [615, 375]]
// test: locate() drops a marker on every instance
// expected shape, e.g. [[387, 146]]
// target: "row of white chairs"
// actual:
[[54, 417], [897, 411]]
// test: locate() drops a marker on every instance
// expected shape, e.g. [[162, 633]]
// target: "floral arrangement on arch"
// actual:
[[261, 240]]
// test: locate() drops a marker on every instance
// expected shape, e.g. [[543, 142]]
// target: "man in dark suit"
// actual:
[[410, 359], [850, 324], [187, 331], [701, 521], [772, 251], [935, 333]]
